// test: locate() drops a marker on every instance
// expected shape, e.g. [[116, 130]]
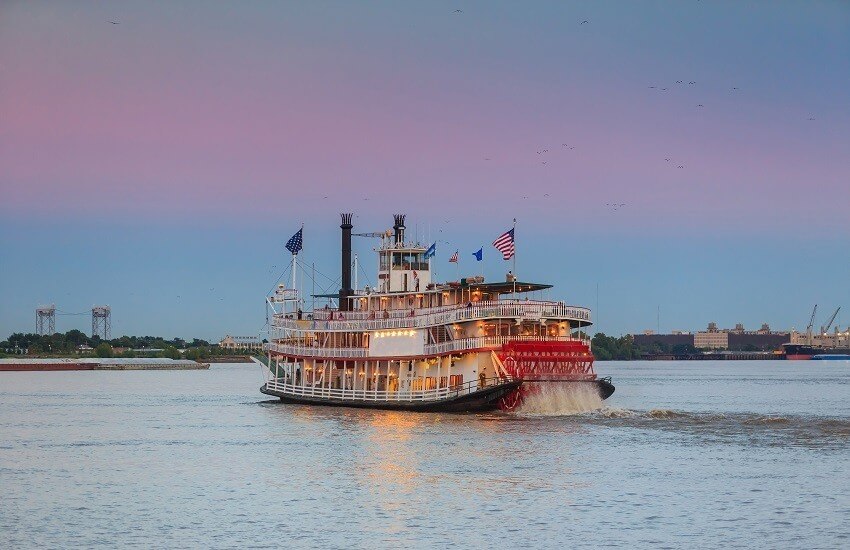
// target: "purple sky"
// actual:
[[194, 122]]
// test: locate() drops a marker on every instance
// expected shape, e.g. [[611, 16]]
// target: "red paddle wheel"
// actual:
[[544, 361]]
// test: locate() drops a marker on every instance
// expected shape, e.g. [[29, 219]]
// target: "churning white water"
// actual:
[[560, 398]]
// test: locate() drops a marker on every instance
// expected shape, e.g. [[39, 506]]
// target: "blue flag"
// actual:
[[480, 254], [431, 251], [295, 242]]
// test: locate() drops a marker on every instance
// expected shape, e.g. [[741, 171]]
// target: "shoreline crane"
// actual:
[[811, 324]]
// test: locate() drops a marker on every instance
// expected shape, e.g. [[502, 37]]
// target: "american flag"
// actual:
[[505, 244], [454, 257], [294, 244]]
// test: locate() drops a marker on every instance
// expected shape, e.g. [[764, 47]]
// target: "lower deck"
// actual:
[[473, 396]]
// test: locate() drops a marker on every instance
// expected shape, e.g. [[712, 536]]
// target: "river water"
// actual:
[[684, 455]]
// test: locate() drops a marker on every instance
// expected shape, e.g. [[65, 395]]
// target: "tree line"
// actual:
[[623, 348], [75, 342]]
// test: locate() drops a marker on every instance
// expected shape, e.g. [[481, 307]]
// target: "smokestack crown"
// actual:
[[399, 228]]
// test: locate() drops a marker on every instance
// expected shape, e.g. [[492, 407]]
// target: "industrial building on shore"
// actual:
[[713, 338]]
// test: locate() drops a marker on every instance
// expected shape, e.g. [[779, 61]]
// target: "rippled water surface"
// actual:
[[684, 455]]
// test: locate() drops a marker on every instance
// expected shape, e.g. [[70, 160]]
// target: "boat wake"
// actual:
[[581, 403], [743, 428], [560, 399]]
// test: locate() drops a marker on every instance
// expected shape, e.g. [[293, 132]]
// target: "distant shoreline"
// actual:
[[28, 364]]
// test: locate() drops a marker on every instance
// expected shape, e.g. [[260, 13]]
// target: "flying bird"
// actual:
[[114, 22], [680, 166], [583, 22], [700, 105], [458, 11]]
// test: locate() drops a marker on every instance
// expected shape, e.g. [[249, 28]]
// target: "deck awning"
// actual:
[[506, 287]]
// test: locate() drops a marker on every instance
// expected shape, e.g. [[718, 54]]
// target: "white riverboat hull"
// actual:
[[481, 400]]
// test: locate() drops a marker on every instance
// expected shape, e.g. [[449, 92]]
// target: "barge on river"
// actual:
[[415, 344]]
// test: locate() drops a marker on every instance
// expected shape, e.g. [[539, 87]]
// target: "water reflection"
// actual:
[[679, 454]]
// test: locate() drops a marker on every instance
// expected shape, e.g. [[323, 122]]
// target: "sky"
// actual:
[[159, 164]]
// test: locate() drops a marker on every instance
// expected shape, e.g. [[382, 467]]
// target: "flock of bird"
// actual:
[[565, 146]]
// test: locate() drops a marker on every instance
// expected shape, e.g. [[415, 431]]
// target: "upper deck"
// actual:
[[351, 321], [405, 297]]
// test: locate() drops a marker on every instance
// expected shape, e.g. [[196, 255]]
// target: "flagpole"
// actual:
[[294, 263], [293, 270], [514, 271]]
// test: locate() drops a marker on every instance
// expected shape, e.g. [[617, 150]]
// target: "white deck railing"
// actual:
[[436, 394], [312, 351], [461, 344], [484, 342], [376, 320]]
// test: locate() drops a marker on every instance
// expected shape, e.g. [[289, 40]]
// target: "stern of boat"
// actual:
[[541, 365]]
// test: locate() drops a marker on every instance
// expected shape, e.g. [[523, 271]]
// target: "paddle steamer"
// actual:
[[416, 344]]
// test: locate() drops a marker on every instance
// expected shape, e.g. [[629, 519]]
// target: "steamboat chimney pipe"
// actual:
[[399, 229], [346, 291]]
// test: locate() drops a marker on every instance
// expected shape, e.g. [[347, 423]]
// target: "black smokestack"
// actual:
[[346, 289], [399, 228]]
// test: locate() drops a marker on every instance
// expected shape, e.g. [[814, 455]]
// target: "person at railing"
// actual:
[[386, 314], [482, 379], [300, 314]]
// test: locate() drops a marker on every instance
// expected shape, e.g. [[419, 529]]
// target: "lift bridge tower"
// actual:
[[101, 322], [45, 320]]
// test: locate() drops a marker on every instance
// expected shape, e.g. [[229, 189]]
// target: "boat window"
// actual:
[[409, 261]]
